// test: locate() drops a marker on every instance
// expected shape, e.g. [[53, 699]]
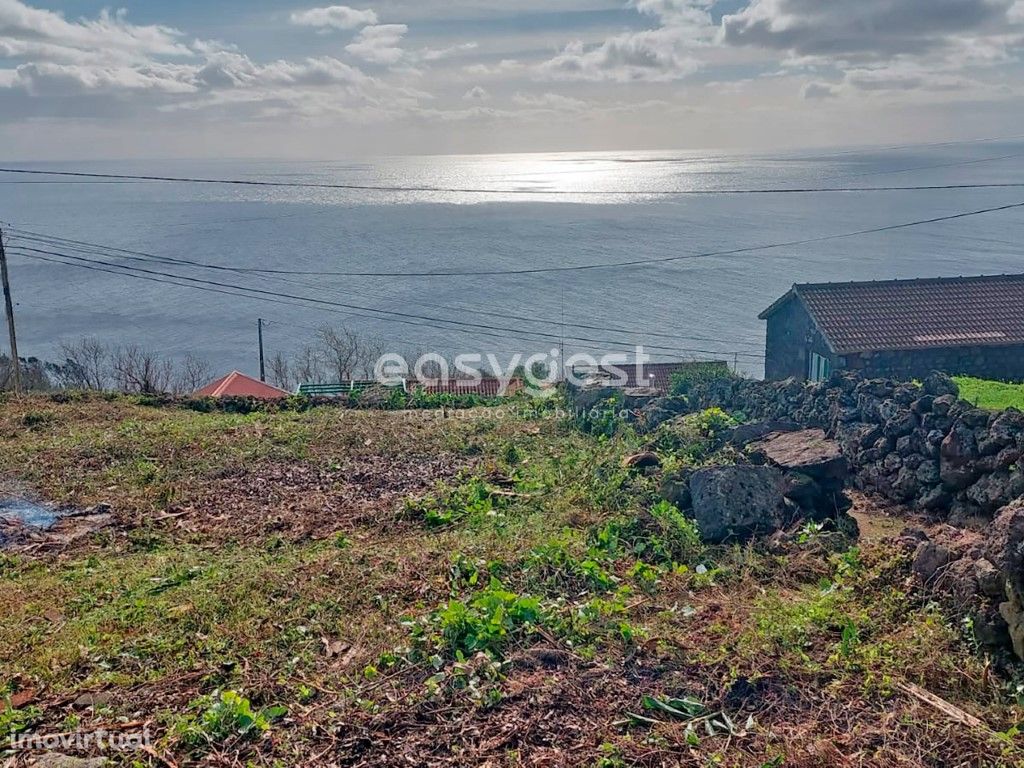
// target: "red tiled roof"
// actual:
[[237, 384], [484, 388], [915, 314]]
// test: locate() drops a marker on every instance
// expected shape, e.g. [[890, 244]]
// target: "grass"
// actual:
[[329, 586], [991, 395]]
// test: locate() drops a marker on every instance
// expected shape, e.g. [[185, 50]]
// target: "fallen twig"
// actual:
[[950, 710]]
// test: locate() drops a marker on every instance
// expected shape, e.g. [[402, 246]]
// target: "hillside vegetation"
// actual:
[[486, 587]]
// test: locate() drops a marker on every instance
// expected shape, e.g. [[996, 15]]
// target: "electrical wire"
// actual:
[[135, 271], [141, 256], [644, 262]]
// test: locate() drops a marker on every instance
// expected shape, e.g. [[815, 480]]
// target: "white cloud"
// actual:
[[817, 90], [657, 55], [477, 93], [334, 17], [1016, 12], [551, 101], [436, 54], [503, 67], [45, 33], [380, 44], [653, 55]]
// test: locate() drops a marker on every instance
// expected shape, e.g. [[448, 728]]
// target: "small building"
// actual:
[[484, 387], [904, 329], [237, 384]]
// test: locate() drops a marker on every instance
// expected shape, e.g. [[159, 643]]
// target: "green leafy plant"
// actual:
[[483, 623], [228, 715], [663, 534]]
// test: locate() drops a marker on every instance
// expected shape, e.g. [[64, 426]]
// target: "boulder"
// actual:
[[808, 452], [661, 410], [737, 502], [1006, 544], [939, 384], [635, 398], [958, 454], [590, 395], [745, 434], [929, 558]]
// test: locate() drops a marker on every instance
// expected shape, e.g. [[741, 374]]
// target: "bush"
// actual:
[[693, 374]]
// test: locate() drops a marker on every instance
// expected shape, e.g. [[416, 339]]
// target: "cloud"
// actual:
[[380, 44], [503, 67], [677, 12], [652, 55], [549, 101], [32, 31], [817, 91], [861, 29], [334, 17], [436, 54], [477, 93], [656, 55]]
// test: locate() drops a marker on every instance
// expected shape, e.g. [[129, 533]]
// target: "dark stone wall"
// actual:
[[790, 339], [1004, 363], [915, 444]]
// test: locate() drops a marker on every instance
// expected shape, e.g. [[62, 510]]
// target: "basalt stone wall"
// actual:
[[915, 444], [1005, 363]]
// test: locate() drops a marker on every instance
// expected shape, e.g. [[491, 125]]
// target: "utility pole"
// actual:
[[9, 305], [263, 365], [561, 343]]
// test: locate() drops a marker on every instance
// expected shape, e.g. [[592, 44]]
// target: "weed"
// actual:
[[448, 505], [483, 623], [14, 721], [227, 715], [558, 569], [661, 535]]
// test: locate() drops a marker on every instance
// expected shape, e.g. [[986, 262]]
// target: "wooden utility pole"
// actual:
[[263, 365], [9, 306]]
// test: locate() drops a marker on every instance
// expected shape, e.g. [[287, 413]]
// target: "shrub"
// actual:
[[693, 374]]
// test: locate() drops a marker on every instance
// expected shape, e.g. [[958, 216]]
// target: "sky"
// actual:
[[81, 79]]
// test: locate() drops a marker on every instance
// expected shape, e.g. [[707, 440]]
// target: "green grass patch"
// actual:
[[991, 395]]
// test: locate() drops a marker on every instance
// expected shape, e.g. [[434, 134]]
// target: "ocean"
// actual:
[[546, 210]]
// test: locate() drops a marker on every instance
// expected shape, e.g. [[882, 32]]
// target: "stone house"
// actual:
[[902, 329]]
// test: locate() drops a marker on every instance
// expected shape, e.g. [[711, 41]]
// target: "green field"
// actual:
[[994, 395], [491, 587]]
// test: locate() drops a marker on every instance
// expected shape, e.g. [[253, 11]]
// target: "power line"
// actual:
[[645, 262], [131, 271], [956, 164], [132, 255], [486, 191]]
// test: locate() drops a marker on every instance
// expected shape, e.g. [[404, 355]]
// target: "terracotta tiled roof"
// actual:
[[485, 388], [915, 314], [237, 384]]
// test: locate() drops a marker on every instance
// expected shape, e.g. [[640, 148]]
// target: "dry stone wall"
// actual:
[[918, 444]]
